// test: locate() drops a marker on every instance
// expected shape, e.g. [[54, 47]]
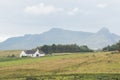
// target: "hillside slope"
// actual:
[[102, 38], [94, 63], [59, 36]]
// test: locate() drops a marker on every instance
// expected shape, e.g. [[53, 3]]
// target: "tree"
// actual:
[[84, 48], [118, 46], [48, 49], [112, 47], [53, 48]]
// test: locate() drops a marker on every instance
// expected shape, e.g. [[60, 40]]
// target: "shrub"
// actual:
[[31, 78]]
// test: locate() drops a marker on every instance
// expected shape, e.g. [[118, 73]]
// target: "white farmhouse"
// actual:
[[32, 53]]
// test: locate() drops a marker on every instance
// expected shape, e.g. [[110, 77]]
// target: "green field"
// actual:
[[76, 66]]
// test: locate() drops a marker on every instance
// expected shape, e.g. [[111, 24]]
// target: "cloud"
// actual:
[[74, 11], [102, 5], [42, 9]]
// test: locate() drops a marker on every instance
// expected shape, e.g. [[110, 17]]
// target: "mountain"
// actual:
[[60, 36], [101, 39]]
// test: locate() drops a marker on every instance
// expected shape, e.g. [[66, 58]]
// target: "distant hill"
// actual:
[[102, 38], [60, 36]]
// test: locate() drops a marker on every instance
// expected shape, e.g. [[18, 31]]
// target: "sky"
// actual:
[[20, 17]]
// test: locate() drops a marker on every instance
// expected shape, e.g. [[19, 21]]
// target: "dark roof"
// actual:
[[30, 51], [33, 51], [41, 52]]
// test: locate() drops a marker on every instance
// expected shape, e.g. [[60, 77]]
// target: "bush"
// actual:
[[11, 56], [31, 78]]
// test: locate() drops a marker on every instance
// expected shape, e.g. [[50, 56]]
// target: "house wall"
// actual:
[[36, 54], [42, 54], [23, 54], [39, 54]]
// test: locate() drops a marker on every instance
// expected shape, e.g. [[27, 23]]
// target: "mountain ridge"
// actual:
[[97, 40]]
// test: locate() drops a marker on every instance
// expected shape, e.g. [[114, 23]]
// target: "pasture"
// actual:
[[75, 66]]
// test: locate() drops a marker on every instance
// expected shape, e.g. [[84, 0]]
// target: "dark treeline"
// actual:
[[114, 47], [48, 49]]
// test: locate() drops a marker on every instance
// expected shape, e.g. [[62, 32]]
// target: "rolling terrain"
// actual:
[[87, 66]]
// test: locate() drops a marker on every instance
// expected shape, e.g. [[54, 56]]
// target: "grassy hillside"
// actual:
[[9, 53], [61, 67]]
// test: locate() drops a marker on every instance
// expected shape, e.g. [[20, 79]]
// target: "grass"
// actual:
[[9, 53], [87, 66]]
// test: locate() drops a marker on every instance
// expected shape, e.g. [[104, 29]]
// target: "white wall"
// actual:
[[32, 55], [23, 54]]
